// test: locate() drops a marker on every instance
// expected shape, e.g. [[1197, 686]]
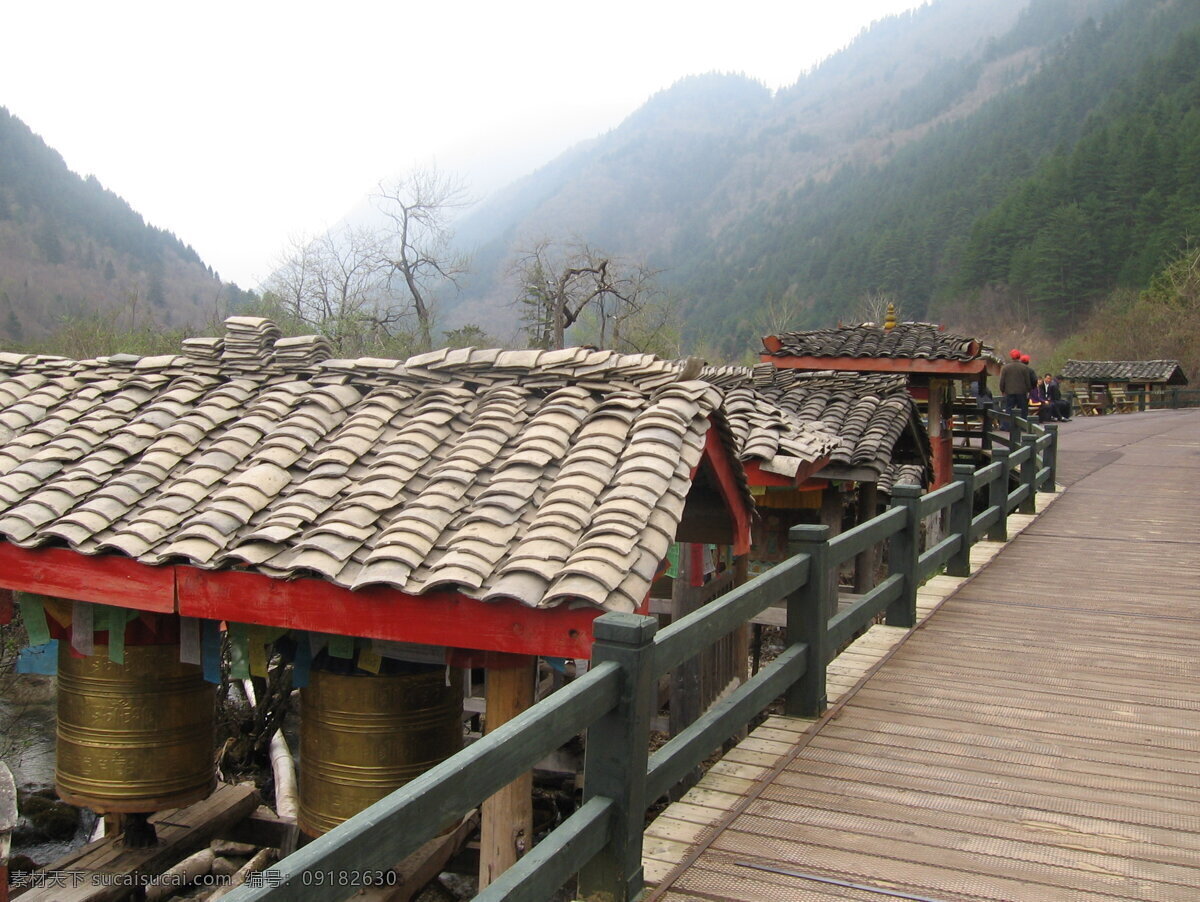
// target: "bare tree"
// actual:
[[337, 285], [416, 248], [557, 284], [873, 308], [774, 317]]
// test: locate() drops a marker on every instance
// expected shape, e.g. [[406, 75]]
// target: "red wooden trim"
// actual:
[[104, 578], [723, 468], [757, 476], [772, 344], [439, 618], [810, 485], [880, 364]]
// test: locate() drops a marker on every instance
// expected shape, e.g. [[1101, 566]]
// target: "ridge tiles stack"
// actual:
[[545, 476]]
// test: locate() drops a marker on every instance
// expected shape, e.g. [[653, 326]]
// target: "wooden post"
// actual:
[[741, 573], [685, 678], [1051, 459], [832, 510], [808, 620], [617, 752], [506, 822], [1029, 475], [864, 564], [903, 551], [961, 515], [998, 497], [940, 438]]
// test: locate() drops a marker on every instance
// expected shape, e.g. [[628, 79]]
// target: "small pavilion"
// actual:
[[930, 358], [483, 502]]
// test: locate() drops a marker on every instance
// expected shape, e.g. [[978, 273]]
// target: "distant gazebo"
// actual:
[[930, 358], [1134, 375]]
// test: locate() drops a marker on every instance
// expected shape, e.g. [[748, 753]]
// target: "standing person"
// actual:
[[1032, 374], [1033, 380], [1015, 385]]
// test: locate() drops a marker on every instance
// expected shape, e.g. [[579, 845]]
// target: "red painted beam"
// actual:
[[723, 468], [378, 612], [756, 475], [921, 365], [441, 618], [103, 578]]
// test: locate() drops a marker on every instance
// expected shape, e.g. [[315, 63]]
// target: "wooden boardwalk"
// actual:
[[1036, 738]]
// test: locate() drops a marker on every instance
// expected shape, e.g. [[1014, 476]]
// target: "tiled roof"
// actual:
[[544, 476], [868, 340], [775, 413], [902, 474], [1125, 371]]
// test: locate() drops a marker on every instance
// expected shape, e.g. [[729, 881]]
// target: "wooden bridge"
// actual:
[[1036, 738], [1033, 738]]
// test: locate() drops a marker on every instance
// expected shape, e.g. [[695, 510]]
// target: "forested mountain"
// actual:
[[69, 248], [972, 156]]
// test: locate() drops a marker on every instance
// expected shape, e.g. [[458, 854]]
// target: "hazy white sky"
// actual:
[[238, 125]]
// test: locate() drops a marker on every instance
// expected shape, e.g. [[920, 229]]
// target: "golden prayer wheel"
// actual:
[[133, 737], [362, 736]]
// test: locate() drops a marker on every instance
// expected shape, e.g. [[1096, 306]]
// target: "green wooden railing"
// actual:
[[615, 699]]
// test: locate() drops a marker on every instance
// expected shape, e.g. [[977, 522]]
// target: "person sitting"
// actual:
[[1053, 405]]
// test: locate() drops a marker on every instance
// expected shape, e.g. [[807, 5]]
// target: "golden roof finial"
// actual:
[[890, 322]]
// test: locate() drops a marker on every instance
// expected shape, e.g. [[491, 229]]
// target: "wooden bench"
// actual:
[[1121, 401], [1085, 405]]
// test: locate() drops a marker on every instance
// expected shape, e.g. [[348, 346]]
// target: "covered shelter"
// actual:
[[817, 445], [1112, 382], [929, 358], [486, 501]]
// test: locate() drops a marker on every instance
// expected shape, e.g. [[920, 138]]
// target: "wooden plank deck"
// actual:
[[1035, 738]]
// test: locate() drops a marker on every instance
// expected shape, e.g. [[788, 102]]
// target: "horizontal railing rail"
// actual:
[[614, 701], [434, 801]]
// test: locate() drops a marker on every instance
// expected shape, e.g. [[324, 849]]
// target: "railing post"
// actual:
[[985, 440], [1050, 458], [998, 497], [1029, 470], [617, 751], [904, 548], [808, 610], [962, 513]]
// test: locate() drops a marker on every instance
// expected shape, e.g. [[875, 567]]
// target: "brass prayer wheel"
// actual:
[[362, 736], [133, 737]]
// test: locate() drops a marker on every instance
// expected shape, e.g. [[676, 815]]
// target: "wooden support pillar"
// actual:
[[741, 573], [865, 563], [506, 822], [685, 678], [941, 436], [832, 510]]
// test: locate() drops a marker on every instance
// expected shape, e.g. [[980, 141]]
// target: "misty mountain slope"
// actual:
[[816, 195], [905, 227], [69, 247]]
